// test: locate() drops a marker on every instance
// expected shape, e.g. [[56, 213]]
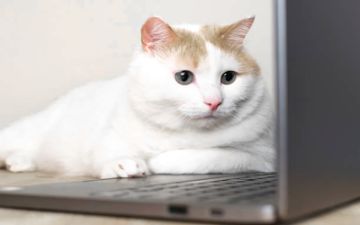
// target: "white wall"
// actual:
[[49, 46]]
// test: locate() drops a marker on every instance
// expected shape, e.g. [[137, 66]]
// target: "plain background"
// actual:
[[48, 47]]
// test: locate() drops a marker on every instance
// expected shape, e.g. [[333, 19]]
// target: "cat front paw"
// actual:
[[125, 167], [19, 163]]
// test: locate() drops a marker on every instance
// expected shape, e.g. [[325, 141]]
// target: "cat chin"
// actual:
[[208, 116], [207, 121], [205, 117]]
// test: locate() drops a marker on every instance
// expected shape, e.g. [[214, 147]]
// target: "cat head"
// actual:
[[191, 76]]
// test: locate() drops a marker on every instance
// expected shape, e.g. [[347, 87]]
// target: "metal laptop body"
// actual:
[[153, 197], [319, 104], [318, 118]]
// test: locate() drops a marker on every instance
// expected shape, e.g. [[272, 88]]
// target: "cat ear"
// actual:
[[156, 34], [235, 33]]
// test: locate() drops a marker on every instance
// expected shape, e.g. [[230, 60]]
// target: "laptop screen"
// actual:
[[319, 75]]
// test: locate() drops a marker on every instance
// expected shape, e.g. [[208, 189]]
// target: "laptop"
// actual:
[[317, 138]]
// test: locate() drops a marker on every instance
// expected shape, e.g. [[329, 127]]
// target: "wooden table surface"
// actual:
[[348, 215]]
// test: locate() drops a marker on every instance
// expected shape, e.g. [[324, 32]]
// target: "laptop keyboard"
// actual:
[[220, 189]]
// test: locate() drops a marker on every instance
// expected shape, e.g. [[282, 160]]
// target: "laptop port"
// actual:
[[178, 209], [216, 212]]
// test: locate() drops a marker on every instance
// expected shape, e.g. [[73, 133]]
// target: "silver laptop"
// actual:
[[318, 166]]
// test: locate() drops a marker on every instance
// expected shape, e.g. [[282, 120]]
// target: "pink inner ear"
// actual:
[[155, 33], [239, 31]]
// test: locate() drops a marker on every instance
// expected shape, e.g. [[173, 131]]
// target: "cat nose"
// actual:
[[213, 105]]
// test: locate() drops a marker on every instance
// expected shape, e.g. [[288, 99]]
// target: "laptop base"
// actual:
[[180, 197]]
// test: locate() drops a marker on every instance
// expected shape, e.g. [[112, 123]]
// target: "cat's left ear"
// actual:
[[156, 34], [235, 33]]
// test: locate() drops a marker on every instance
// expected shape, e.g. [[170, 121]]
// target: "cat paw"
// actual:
[[19, 163], [125, 167]]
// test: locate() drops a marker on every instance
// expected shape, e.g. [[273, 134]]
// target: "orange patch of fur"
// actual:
[[190, 47], [217, 36]]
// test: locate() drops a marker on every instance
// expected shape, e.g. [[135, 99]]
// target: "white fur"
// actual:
[[146, 122]]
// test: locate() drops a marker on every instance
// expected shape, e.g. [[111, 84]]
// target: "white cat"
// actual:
[[193, 101]]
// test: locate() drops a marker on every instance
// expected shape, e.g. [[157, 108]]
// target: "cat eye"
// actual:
[[184, 77], [228, 77]]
